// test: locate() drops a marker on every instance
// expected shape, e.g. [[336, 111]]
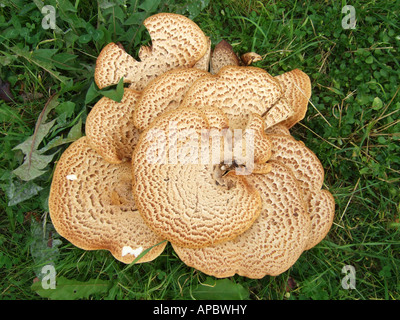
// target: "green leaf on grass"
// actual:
[[67, 289], [221, 289], [35, 59], [369, 60], [377, 103], [76, 131], [194, 8], [32, 143], [115, 94], [44, 243], [18, 191], [136, 18], [65, 61], [35, 161], [92, 93], [74, 134], [150, 5], [34, 166]]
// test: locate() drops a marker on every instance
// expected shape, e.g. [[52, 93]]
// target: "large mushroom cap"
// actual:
[[237, 91], [92, 206], [309, 172], [182, 197], [304, 163], [109, 128], [176, 42], [297, 92], [321, 208], [272, 244], [164, 93]]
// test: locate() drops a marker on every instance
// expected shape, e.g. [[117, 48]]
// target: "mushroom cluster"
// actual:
[[198, 154]]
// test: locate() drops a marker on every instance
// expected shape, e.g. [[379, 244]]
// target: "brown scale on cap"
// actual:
[[176, 42], [272, 244], [260, 147], [292, 106], [321, 208], [91, 205]]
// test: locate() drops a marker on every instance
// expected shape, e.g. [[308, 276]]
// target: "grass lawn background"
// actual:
[[352, 124]]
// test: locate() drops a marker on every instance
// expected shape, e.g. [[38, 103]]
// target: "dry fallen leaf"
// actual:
[[5, 93]]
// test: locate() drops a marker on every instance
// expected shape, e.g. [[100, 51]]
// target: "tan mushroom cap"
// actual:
[[188, 202], [164, 93], [256, 145], [92, 206], [249, 58], [216, 118], [297, 92], [176, 42], [237, 91], [309, 171], [301, 160], [278, 113], [322, 212], [109, 128], [223, 55], [272, 244], [278, 129], [204, 62]]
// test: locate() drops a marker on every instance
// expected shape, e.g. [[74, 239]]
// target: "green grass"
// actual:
[[352, 124]]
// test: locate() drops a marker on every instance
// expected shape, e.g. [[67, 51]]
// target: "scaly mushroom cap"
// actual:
[[109, 129], [278, 129], [183, 196], [176, 42], [164, 93], [321, 208], [279, 112], [223, 55], [259, 149], [91, 205], [309, 171], [301, 160], [297, 92], [237, 91], [216, 118], [204, 62], [272, 244]]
